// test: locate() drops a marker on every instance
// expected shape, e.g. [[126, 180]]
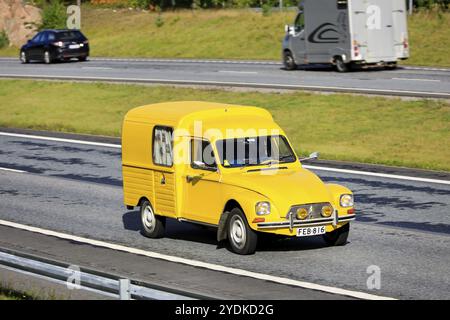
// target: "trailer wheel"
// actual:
[[153, 226], [391, 66], [341, 66], [288, 60], [242, 238], [337, 237]]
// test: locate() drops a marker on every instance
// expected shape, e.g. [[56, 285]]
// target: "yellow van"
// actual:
[[227, 166]]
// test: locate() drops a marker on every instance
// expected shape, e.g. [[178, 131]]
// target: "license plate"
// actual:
[[310, 231], [74, 46]]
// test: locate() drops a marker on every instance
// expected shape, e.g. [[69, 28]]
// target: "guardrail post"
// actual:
[[124, 289]]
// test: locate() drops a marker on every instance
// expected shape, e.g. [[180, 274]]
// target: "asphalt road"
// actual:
[[405, 81], [402, 226]]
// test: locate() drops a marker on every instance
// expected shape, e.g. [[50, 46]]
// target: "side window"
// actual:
[[299, 23], [51, 37], [342, 4], [162, 146], [202, 155], [44, 37], [37, 38]]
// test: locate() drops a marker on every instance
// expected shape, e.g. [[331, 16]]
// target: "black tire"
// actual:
[[391, 66], [341, 66], [153, 226], [23, 57], [288, 61], [337, 237], [82, 59], [242, 238]]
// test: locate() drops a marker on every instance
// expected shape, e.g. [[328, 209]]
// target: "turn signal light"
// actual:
[[258, 220], [351, 211]]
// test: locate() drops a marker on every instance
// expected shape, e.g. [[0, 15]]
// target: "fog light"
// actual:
[[302, 213], [327, 211]]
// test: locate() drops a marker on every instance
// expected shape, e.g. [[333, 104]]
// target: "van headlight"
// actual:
[[262, 208], [346, 200]]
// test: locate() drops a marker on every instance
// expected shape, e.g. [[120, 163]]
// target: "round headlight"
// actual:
[[326, 211], [347, 200], [262, 208], [302, 213]]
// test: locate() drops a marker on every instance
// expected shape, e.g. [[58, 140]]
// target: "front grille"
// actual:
[[314, 210]]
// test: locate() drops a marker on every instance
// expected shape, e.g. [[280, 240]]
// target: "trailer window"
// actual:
[[162, 146], [342, 4]]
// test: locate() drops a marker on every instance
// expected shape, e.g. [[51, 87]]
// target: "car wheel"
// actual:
[[242, 238], [23, 57], [153, 226], [47, 58], [341, 66], [82, 58], [288, 61], [391, 66], [337, 237]]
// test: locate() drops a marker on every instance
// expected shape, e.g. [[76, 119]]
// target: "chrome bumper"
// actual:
[[291, 223]]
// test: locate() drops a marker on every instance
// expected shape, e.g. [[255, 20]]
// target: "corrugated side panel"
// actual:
[[137, 183], [165, 193]]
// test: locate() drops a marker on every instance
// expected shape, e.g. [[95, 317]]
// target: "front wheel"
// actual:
[[153, 226], [341, 66], [242, 238], [47, 58], [288, 61], [23, 57], [337, 237]]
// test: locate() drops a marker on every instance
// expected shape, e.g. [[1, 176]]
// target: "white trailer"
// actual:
[[347, 33]]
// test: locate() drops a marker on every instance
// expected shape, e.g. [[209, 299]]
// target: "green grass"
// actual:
[[342, 127], [228, 34]]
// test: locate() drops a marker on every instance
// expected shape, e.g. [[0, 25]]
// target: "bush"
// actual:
[[54, 15], [4, 41]]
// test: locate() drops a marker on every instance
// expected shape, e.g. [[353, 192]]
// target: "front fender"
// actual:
[[336, 191]]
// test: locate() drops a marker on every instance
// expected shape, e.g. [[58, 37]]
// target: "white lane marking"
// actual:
[[200, 264], [12, 170], [417, 79], [239, 72], [231, 83], [27, 136], [117, 146], [97, 68], [375, 174]]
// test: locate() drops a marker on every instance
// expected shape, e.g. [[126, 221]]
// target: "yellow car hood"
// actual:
[[284, 188]]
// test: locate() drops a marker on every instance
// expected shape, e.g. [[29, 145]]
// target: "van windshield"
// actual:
[[253, 151]]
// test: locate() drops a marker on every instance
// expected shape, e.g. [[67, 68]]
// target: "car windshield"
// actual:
[[69, 36], [253, 151]]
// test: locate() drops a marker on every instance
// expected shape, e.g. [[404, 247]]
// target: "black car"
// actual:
[[55, 45]]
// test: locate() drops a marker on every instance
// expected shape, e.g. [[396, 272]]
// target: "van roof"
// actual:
[[174, 113]]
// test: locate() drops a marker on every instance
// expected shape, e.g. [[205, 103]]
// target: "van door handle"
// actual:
[[163, 180], [189, 178]]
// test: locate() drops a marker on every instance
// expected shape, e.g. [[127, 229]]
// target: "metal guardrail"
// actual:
[[74, 276]]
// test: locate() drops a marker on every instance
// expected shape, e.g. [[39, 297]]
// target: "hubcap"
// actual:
[[148, 218], [22, 56], [46, 57], [237, 232]]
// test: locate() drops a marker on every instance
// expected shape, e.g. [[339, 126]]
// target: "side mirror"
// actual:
[[312, 156]]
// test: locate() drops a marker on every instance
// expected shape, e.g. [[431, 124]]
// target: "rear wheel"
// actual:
[[82, 58], [47, 58], [153, 226], [23, 57], [242, 238], [288, 61], [341, 66], [391, 66], [337, 237]]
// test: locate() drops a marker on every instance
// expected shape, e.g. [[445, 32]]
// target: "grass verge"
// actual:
[[228, 34], [342, 127]]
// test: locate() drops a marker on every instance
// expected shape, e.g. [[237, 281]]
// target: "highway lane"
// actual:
[[402, 226], [408, 81]]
